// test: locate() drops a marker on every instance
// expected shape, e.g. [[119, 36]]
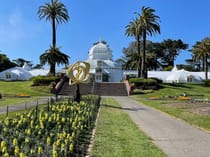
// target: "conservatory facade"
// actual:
[[102, 67]]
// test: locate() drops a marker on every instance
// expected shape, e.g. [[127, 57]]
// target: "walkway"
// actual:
[[22, 106], [175, 137]]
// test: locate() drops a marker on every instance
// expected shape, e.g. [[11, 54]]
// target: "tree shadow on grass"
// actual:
[[175, 85], [125, 108]]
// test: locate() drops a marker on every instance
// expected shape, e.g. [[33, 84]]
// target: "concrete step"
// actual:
[[103, 89]]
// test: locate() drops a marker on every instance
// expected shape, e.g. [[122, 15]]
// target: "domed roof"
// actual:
[[100, 50]]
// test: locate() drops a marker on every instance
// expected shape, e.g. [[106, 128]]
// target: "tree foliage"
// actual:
[[201, 51], [57, 13], [5, 63], [54, 56], [171, 49], [146, 23], [159, 55]]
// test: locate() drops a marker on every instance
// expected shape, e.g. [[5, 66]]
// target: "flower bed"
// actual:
[[184, 98], [53, 131], [22, 95]]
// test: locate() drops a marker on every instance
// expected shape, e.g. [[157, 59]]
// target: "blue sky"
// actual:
[[23, 35]]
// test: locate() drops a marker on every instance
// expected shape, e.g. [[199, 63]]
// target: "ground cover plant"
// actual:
[[189, 102], [117, 136], [55, 130], [15, 92]]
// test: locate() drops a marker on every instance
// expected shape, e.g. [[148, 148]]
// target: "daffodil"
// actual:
[[55, 154], [16, 151], [6, 155], [27, 140], [22, 154], [71, 147], [40, 150], [15, 141], [5, 130], [48, 140], [4, 149]]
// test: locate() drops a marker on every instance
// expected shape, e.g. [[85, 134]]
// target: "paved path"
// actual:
[[22, 106], [175, 137]]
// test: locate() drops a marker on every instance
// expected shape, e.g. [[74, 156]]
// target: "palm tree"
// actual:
[[53, 56], [131, 30], [57, 13], [201, 51], [147, 25]]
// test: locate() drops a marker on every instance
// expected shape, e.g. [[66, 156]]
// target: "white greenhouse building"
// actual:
[[102, 67]]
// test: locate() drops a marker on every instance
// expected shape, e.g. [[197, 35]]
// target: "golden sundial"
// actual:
[[78, 73]]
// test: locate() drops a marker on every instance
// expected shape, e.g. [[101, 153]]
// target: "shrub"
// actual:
[[143, 83], [44, 80], [169, 68], [207, 83]]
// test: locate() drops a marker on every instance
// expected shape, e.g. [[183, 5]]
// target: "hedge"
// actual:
[[44, 80], [143, 83]]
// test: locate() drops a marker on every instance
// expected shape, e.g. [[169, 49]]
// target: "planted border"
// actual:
[[58, 130]]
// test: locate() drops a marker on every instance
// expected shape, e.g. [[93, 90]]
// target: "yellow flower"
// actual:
[[15, 141], [71, 147], [28, 131], [27, 140], [16, 150], [62, 146], [39, 132], [5, 129], [40, 150], [6, 121], [32, 123], [22, 154], [6, 155], [49, 119], [48, 140], [32, 151], [3, 144], [41, 125], [4, 149], [63, 119], [55, 154], [58, 142]]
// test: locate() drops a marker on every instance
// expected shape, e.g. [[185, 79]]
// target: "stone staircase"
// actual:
[[102, 89]]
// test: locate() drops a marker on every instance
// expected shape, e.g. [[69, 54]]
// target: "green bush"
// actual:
[[143, 83], [169, 68], [207, 83], [44, 80]]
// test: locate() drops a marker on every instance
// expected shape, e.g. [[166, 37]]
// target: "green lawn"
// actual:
[[168, 95], [11, 88], [117, 135]]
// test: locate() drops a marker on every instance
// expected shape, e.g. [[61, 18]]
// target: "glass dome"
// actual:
[[100, 50]]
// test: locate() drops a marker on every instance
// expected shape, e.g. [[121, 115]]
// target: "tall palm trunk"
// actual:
[[143, 62], [52, 66], [52, 69], [139, 56], [206, 67], [53, 33]]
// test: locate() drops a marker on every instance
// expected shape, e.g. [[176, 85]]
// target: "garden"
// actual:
[[60, 129]]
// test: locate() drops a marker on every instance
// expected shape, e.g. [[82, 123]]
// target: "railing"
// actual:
[[34, 103]]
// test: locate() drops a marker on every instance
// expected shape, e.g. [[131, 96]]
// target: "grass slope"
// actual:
[[11, 88], [117, 136], [181, 112]]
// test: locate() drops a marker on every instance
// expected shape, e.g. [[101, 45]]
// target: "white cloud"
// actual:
[[15, 18]]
